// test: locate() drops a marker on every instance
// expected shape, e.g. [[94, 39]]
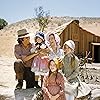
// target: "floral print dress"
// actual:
[[40, 62]]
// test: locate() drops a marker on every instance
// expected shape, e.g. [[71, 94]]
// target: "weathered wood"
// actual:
[[78, 34]]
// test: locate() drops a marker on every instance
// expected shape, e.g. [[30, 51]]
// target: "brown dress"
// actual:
[[55, 85]]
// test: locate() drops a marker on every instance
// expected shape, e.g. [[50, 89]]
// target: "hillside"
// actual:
[[8, 35]]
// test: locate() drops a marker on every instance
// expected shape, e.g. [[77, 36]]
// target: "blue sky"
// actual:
[[16, 10]]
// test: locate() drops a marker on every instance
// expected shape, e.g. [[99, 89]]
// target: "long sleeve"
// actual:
[[44, 84], [76, 69], [17, 52], [60, 82]]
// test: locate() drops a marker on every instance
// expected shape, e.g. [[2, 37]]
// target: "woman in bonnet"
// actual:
[[53, 41]]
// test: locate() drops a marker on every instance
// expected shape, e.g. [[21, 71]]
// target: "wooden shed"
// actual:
[[83, 39]]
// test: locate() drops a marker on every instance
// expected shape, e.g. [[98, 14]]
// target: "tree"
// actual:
[[3, 23], [42, 17]]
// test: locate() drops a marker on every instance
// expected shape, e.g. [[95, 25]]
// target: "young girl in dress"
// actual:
[[53, 83], [70, 67], [40, 62]]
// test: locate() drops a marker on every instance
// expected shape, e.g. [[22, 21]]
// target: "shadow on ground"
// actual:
[[25, 94], [2, 97]]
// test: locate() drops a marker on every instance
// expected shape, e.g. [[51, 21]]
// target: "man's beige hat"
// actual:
[[23, 33]]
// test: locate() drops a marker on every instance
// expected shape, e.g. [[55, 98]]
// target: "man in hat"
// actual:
[[24, 57]]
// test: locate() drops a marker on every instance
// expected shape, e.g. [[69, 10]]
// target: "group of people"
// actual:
[[46, 59]]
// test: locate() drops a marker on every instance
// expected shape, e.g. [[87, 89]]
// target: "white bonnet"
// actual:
[[57, 38], [71, 44]]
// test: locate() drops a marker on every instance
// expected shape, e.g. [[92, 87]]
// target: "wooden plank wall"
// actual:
[[81, 37]]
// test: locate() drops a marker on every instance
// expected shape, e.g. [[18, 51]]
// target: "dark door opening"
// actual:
[[97, 53]]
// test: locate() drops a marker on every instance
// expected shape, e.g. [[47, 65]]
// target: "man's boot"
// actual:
[[20, 84], [36, 84], [29, 84]]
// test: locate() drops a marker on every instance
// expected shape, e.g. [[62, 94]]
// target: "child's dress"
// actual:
[[55, 85], [40, 62]]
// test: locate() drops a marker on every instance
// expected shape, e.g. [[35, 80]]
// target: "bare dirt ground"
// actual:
[[8, 82]]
